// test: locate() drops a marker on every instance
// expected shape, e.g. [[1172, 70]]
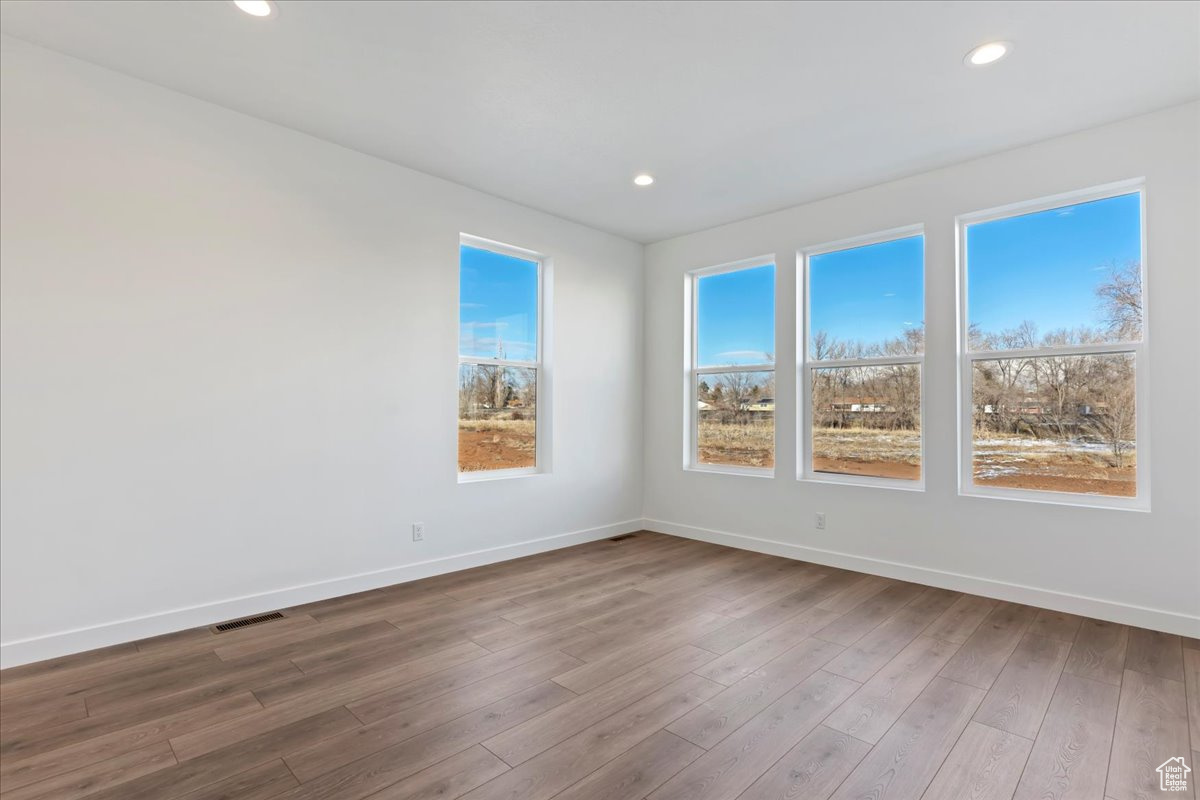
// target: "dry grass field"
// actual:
[[750, 444]]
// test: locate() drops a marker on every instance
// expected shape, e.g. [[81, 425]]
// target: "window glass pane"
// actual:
[[868, 301], [497, 412], [735, 318], [736, 419], [867, 421], [498, 305], [1069, 275], [1058, 424]]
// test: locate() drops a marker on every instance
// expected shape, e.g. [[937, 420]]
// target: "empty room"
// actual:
[[551, 400]]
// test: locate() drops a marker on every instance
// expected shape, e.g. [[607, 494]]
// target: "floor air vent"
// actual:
[[248, 621], [622, 537]]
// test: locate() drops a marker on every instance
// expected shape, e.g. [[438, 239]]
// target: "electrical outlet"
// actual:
[[418, 531], [819, 521]]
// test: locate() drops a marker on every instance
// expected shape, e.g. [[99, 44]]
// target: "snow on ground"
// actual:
[[996, 471], [1006, 445]]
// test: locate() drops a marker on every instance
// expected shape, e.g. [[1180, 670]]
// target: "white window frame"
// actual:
[[540, 364], [1139, 351], [693, 373], [805, 364]]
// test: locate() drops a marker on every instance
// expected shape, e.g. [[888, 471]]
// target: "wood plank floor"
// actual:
[[647, 667]]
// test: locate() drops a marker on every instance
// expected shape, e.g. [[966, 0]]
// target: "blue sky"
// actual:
[[1045, 267], [869, 294], [497, 305], [1042, 267], [735, 317]]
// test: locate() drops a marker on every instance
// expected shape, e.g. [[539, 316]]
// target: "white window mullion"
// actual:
[[498, 362], [871, 361], [738, 368], [1054, 350]]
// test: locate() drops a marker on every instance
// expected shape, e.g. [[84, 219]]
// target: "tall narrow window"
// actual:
[[500, 373], [861, 360], [731, 376], [1051, 345]]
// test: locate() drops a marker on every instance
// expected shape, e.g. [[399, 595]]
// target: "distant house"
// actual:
[[1031, 407], [761, 404], [1092, 409], [1028, 406], [861, 405]]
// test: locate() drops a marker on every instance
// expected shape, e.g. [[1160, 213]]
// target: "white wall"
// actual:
[[1136, 567], [229, 366]]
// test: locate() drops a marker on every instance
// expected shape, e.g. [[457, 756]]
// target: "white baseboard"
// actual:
[[1153, 618], [39, 648], [52, 645]]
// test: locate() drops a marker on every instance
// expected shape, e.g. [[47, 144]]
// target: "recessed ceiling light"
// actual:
[[643, 179], [256, 8], [988, 53]]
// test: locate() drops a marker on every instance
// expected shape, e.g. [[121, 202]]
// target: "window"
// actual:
[[861, 358], [731, 369], [1051, 345], [501, 430]]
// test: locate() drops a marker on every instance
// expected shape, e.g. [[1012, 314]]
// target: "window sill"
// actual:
[[1092, 501], [484, 476], [862, 481], [747, 472]]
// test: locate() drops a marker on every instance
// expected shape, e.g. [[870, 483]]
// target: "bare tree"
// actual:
[[1112, 414], [1121, 300], [740, 389], [820, 345], [466, 394], [974, 336], [495, 387], [526, 388], [1000, 386], [1053, 388], [717, 395]]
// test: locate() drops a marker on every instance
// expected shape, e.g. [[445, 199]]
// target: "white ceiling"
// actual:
[[737, 108]]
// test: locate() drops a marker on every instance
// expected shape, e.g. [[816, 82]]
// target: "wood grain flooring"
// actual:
[[649, 667]]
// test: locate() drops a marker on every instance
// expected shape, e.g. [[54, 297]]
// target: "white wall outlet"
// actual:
[[418, 531], [819, 521]]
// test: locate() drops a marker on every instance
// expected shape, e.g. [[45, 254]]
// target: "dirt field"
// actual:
[[1053, 466], [1016, 462], [496, 444], [877, 454], [1010, 461], [875, 469]]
